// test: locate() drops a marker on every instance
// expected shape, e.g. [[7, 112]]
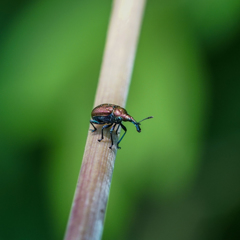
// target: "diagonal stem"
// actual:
[[92, 190]]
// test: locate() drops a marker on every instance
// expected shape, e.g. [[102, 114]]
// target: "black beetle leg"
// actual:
[[111, 130], [96, 122], [105, 126], [125, 129]]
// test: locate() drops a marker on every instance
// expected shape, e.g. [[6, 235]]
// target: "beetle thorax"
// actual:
[[121, 112]]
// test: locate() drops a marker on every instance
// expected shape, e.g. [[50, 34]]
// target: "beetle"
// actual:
[[112, 115]]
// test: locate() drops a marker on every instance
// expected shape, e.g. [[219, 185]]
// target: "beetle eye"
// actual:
[[119, 118]]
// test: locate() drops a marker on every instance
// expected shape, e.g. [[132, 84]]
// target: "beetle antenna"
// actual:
[[146, 119]]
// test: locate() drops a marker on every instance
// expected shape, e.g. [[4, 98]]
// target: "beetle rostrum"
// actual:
[[111, 115]]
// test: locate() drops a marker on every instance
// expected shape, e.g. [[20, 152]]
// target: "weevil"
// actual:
[[111, 115]]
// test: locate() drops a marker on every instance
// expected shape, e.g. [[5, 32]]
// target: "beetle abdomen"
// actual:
[[103, 119]]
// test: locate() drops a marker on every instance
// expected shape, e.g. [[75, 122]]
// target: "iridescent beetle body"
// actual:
[[112, 115]]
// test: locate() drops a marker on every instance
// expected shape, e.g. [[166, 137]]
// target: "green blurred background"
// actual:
[[179, 178]]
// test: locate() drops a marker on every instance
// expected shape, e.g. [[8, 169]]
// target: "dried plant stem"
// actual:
[[91, 195]]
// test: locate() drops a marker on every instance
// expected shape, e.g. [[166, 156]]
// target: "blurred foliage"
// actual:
[[179, 178]]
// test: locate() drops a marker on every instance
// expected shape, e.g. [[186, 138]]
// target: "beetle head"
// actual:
[[138, 123], [137, 126]]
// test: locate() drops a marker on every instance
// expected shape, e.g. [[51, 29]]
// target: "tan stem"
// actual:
[[92, 191]]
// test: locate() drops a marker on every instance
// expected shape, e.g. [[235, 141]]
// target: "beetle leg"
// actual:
[[125, 129], [105, 126], [93, 130], [96, 122], [111, 130]]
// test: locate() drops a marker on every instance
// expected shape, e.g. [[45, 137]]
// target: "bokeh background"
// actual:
[[179, 178]]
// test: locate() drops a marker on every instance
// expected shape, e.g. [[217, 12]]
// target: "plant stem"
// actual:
[[92, 191]]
